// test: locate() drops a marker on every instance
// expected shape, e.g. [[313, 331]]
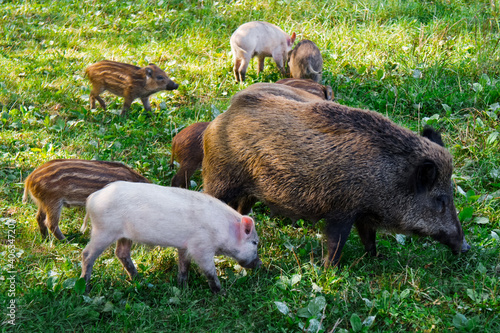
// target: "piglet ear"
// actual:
[[149, 71], [247, 225], [292, 39]]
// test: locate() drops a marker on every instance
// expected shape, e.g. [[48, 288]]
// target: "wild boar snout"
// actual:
[[465, 246], [253, 264]]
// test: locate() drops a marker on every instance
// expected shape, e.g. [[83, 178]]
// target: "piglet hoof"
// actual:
[[220, 292], [182, 281], [214, 287], [465, 246]]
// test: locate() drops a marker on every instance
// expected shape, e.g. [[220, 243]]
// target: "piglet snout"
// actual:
[[254, 264]]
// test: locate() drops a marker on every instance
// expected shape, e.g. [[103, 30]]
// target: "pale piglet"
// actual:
[[198, 225], [261, 39]]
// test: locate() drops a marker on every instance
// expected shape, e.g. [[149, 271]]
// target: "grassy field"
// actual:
[[417, 62]]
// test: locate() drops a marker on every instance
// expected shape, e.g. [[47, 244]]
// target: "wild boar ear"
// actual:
[[292, 39], [149, 71], [247, 225], [425, 176], [433, 135]]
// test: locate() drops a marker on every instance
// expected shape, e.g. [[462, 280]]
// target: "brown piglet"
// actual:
[[68, 182], [127, 81], [325, 92], [187, 149]]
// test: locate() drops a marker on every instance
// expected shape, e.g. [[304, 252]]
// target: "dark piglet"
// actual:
[[187, 149], [306, 61], [315, 160], [127, 81], [325, 92], [68, 182]]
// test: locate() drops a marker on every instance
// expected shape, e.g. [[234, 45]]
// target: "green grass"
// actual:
[[417, 62]]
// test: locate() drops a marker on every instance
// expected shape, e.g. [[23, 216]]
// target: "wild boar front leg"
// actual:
[[145, 102], [122, 251], [278, 58], [367, 235], [184, 263], [337, 232], [205, 261], [244, 205], [126, 103]]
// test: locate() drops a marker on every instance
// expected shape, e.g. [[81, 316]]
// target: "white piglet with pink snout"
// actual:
[[198, 225]]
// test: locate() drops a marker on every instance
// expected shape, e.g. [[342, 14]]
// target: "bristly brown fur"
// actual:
[[68, 182]]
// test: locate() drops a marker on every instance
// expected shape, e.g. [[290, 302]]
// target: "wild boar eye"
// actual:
[[160, 78], [442, 201]]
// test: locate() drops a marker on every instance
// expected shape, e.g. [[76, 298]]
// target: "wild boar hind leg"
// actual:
[[205, 261], [261, 59], [145, 102], [40, 218], [236, 69], [367, 234], [278, 58], [94, 95], [122, 252], [184, 263], [240, 68], [53, 217], [98, 243]]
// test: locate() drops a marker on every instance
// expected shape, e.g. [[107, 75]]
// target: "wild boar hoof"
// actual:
[[465, 246]]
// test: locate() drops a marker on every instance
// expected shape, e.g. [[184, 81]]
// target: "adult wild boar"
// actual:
[[306, 61], [315, 160], [198, 225], [261, 39], [127, 81]]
